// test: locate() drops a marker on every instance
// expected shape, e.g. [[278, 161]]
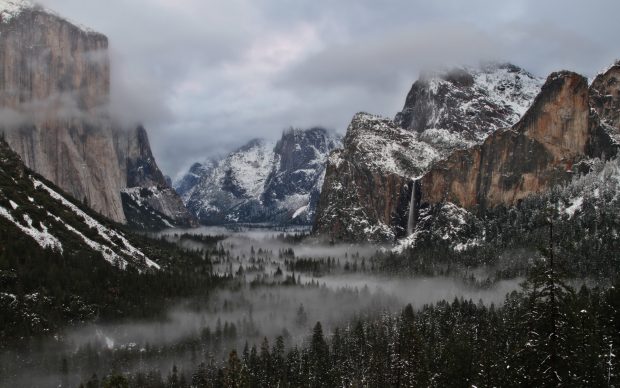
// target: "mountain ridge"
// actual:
[[262, 181]]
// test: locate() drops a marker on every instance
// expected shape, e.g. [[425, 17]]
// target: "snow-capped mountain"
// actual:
[[459, 107], [263, 181], [369, 180], [380, 188]]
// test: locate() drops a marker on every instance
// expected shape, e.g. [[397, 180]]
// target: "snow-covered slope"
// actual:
[[34, 207], [461, 106], [262, 181], [585, 222]]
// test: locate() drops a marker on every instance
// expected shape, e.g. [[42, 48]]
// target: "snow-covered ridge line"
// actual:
[[43, 238], [387, 145], [107, 254], [262, 181], [106, 233], [10, 9]]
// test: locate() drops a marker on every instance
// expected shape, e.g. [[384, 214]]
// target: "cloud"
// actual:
[[380, 64], [59, 106], [205, 76]]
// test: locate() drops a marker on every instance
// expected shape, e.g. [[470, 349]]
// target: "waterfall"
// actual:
[[413, 206]]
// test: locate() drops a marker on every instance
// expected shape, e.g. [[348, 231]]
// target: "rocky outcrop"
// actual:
[[368, 180], [605, 100], [467, 103], [368, 186], [535, 154], [149, 201], [262, 181], [298, 172], [54, 82], [54, 97]]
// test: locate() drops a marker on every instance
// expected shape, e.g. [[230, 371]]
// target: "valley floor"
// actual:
[[288, 302]]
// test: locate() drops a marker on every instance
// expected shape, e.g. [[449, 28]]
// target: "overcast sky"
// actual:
[[206, 76]]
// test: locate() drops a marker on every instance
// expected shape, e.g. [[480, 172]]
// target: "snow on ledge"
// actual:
[[10, 9]]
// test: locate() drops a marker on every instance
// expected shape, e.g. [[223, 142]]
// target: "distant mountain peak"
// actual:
[[262, 181], [471, 102]]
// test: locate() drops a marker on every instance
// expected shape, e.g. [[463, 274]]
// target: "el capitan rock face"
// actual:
[[54, 97], [54, 83]]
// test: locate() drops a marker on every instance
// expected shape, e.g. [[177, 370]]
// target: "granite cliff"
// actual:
[[568, 124], [367, 188], [544, 149], [54, 98]]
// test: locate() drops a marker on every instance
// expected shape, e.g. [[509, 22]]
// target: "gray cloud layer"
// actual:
[[207, 75]]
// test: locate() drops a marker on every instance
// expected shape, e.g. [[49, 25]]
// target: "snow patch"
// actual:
[[42, 237], [12, 8], [300, 211], [576, 205], [106, 233]]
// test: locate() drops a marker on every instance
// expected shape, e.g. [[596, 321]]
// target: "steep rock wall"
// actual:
[[54, 86], [538, 152], [54, 98], [605, 100]]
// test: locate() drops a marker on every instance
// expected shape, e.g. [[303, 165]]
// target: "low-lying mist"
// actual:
[[276, 288]]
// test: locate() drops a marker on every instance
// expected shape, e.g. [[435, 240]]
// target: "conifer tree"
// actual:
[[545, 355], [319, 363]]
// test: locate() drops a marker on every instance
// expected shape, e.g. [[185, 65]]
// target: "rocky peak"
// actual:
[[261, 181], [376, 143], [142, 170], [387, 172], [469, 102], [534, 155], [368, 183], [299, 148], [300, 163], [605, 99]]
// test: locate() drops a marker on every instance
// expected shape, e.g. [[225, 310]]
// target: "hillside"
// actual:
[[61, 262]]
